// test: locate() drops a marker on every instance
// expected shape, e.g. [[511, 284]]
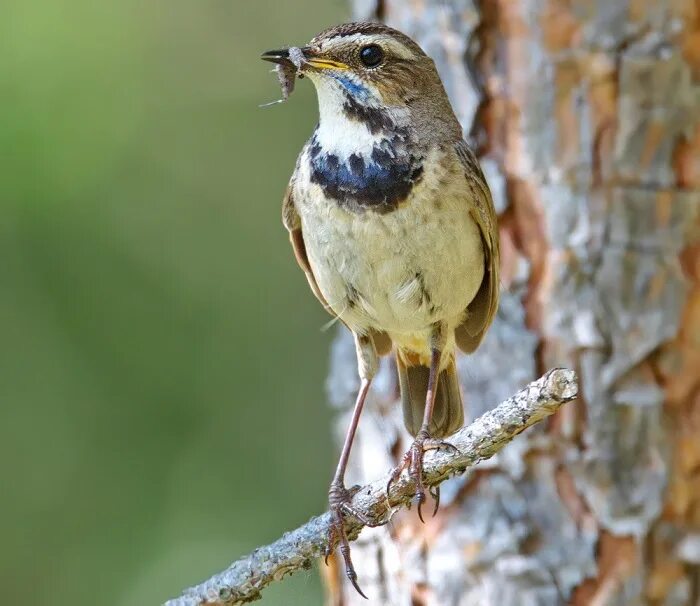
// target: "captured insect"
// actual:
[[287, 74]]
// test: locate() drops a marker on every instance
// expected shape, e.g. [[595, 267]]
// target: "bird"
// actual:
[[392, 221]]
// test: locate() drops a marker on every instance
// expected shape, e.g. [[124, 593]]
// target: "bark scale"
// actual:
[[586, 116]]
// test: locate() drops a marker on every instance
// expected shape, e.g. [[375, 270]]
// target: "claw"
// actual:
[[449, 446], [392, 479], [351, 574], [420, 498], [432, 444], [413, 459], [356, 586], [435, 493], [349, 510], [345, 552], [340, 506], [396, 474], [331, 540]]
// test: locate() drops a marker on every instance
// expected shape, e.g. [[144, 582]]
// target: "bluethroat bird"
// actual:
[[392, 221]]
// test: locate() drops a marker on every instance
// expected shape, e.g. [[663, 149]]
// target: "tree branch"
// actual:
[[243, 581]]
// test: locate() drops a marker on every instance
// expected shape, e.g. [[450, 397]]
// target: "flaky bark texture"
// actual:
[[586, 114]]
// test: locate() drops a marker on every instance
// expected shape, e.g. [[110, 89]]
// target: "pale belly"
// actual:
[[400, 272]]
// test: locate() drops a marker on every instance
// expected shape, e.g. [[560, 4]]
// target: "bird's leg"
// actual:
[[413, 459], [339, 497]]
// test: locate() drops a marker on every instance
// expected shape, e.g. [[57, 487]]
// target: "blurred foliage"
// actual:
[[162, 364]]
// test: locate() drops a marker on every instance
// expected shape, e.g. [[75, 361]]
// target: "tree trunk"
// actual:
[[586, 116]]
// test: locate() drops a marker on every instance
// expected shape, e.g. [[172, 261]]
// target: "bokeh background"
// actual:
[[161, 358]]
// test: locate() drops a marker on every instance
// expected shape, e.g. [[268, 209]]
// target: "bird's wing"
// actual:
[[292, 221], [482, 309]]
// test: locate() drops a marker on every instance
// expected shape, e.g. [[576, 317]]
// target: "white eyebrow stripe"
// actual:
[[399, 49], [391, 44]]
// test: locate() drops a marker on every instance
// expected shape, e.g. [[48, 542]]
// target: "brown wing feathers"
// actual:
[[482, 309]]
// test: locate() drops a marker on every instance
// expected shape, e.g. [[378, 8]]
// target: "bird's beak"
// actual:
[[310, 57], [280, 56]]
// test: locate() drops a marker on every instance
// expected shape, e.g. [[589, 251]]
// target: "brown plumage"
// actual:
[[392, 222], [479, 312]]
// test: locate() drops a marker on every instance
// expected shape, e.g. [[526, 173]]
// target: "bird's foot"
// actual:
[[340, 501], [413, 460]]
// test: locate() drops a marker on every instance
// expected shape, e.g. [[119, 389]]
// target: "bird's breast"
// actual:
[[400, 270], [377, 180]]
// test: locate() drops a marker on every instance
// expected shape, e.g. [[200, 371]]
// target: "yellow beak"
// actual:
[[320, 63]]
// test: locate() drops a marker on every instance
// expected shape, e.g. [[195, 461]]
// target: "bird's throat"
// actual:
[[364, 158]]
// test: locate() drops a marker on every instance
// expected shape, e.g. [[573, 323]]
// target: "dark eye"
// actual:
[[371, 55]]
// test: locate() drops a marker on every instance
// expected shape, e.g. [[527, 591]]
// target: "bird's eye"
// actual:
[[371, 55]]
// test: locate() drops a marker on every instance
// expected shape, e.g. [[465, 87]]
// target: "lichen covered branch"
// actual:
[[244, 580]]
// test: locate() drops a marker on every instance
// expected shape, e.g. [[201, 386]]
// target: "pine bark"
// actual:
[[586, 117]]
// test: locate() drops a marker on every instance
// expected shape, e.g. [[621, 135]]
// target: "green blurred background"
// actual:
[[161, 362]]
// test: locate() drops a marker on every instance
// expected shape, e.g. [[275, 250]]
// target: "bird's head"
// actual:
[[371, 72]]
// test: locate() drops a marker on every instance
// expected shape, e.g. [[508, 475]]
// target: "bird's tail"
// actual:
[[448, 413]]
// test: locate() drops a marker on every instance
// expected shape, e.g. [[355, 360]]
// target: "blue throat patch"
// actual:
[[353, 88], [379, 182]]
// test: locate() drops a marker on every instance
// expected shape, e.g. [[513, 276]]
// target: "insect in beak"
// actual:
[[302, 58]]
